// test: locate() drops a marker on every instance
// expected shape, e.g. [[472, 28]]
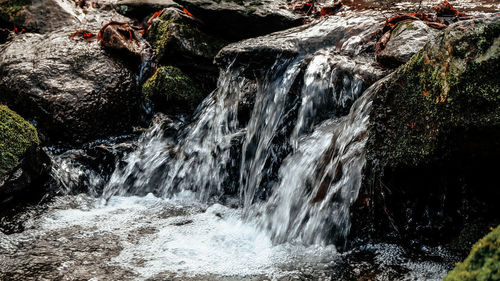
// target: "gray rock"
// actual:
[[406, 40], [240, 19], [70, 86], [36, 15], [349, 33], [141, 9]]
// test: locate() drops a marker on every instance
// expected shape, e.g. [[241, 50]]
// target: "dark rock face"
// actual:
[[4, 35], [172, 91], [178, 39], [240, 19], [176, 36], [406, 40], [435, 136], [140, 9], [22, 162], [69, 86]]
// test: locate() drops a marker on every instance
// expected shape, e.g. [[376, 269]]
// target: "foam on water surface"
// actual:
[[150, 238], [179, 236]]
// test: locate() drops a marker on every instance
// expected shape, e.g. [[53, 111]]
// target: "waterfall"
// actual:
[[296, 162], [320, 181], [287, 146]]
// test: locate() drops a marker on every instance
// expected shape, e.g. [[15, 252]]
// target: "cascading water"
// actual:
[[295, 148], [320, 178], [320, 181], [283, 147]]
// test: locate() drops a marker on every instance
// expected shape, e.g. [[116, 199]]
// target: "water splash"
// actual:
[[278, 138], [320, 181]]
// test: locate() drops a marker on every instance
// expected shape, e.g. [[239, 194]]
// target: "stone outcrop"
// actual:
[[22, 162]]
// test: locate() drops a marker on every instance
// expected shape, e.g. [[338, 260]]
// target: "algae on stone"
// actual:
[[16, 137], [483, 262], [11, 11], [171, 36], [171, 90], [452, 83]]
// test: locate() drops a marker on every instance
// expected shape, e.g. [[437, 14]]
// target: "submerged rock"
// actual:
[[72, 88], [172, 91], [406, 40], [22, 162], [434, 138], [483, 262], [240, 19]]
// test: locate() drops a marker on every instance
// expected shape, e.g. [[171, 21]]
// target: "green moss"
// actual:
[[11, 11], [250, 11], [16, 137], [166, 35], [171, 90], [439, 90], [483, 262]]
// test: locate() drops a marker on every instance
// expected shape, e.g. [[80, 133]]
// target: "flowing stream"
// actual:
[[258, 186]]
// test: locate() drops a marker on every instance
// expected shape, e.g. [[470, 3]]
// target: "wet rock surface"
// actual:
[[236, 20], [22, 162], [177, 38], [72, 88], [433, 135], [171, 91], [141, 9], [37, 16], [350, 36], [406, 40]]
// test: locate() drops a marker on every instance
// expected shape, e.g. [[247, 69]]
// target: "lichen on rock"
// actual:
[[483, 262], [174, 35], [11, 11], [452, 83], [172, 91], [22, 161], [16, 137]]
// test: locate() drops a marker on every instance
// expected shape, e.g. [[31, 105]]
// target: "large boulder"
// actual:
[[22, 162], [178, 39], [435, 136], [71, 87], [349, 33], [241, 19]]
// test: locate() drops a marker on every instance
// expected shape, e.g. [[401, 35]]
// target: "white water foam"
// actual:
[[177, 237]]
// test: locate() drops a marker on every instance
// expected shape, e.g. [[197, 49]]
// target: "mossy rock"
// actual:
[[171, 91], [17, 136], [483, 262], [176, 37], [449, 85], [11, 11]]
